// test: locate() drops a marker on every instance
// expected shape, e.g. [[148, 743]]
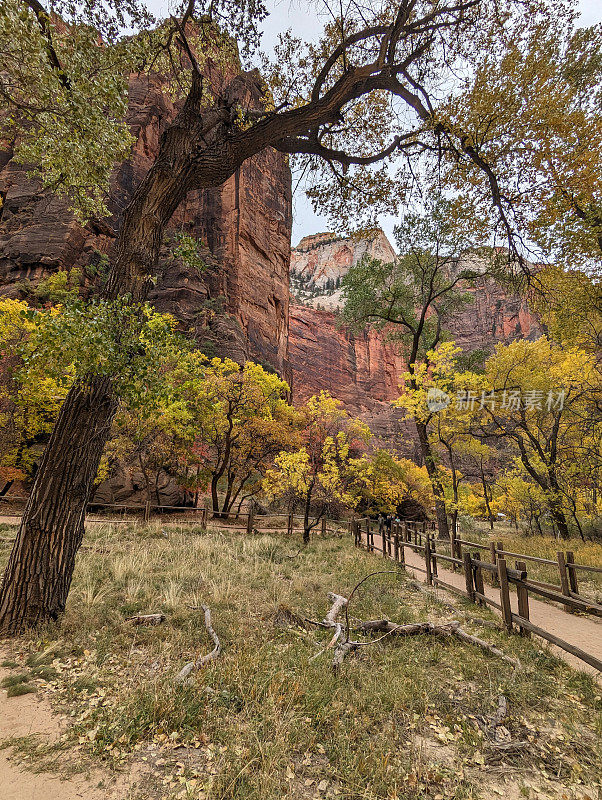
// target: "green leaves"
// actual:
[[131, 344]]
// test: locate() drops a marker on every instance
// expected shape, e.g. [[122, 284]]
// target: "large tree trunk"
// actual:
[[199, 149], [433, 473], [38, 575]]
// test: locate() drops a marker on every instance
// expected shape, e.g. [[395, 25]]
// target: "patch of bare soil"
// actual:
[[30, 715]]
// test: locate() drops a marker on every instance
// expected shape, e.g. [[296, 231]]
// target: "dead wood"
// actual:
[[330, 621], [490, 648], [147, 619], [202, 660], [500, 742], [447, 629]]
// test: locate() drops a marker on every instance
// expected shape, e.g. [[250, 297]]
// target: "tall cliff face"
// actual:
[[320, 261], [364, 370], [245, 226]]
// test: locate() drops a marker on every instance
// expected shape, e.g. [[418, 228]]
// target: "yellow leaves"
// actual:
[[322, 466], [569, 302], [540, 366]]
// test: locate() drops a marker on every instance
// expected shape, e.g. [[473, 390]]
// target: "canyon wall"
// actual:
[[238, 305], [364, 370]]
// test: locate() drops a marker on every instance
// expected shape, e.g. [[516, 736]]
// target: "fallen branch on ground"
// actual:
[[387, 628], [147, 619], [447, 629], [500, 739], [330, 621], [192, 666]]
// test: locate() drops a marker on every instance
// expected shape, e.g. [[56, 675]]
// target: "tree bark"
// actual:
[[431, 468], [38, 574], [486, 496], [306, 525]]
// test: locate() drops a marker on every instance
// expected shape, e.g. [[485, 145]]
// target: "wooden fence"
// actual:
[[419, 538], [251, 519]]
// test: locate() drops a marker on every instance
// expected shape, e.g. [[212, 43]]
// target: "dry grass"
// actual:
[[266, 721]]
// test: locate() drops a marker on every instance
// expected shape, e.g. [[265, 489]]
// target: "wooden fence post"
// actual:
[[452, 547], [570, 561], [468, 576], [434, 555], [504, 594], [147, 507], [427, 560], [251, 517], [369, 537], [396, 544], [493, 551], [564, 578], [290, 524], [323, 526], [204, 515], [478, 579], [522, 594]]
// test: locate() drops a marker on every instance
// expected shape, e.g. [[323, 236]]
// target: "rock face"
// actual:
[[324, 256], [320, 261], [364, 370], [241, 300]]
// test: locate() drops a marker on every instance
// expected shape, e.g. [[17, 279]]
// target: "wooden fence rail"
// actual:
[[417, 538], [147, 511]]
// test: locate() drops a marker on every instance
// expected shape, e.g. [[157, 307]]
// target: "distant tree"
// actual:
[[320, 473], [29, 399], [413, 297], [382, 482]]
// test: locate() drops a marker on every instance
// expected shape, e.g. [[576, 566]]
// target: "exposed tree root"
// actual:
[[202, 660]]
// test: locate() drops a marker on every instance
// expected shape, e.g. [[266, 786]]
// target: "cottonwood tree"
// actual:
[[538, 399], [382, 482], [370, 89], [235, 420], [533, 108], [29, 401], [414, 297], [322, 472]]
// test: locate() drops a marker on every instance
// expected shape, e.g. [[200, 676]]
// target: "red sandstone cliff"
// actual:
[[364, 370], [246, 225]]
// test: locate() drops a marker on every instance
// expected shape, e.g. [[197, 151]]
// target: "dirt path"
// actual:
[[583, 632], [30, 715]]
